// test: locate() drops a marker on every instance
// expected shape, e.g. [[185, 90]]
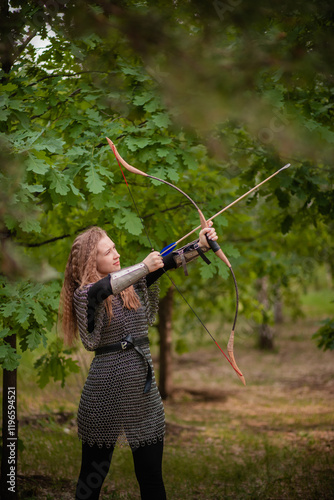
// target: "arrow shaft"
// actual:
[[234, 202]]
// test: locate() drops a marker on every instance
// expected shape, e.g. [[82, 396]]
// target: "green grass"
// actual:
[[242, 464], [318, 303]]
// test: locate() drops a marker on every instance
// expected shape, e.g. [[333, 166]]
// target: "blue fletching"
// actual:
[[168, 249]]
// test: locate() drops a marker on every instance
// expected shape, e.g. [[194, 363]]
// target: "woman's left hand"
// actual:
[[208, 231]]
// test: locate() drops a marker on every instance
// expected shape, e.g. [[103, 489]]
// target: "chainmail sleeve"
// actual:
[[90, 339], [149, 296]]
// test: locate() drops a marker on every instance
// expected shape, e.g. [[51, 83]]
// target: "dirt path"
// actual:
[[288, 391]]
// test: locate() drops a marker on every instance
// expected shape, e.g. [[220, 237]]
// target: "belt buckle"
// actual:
[[124, 344]]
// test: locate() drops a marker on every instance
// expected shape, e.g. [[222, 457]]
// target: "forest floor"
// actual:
[[273, 439]]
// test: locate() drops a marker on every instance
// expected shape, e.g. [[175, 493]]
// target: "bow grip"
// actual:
[[216, 248], [213, 245]]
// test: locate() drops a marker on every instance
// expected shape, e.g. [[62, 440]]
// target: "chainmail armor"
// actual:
[[113, 408]]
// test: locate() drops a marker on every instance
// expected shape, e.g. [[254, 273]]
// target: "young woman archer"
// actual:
[[111, 309]]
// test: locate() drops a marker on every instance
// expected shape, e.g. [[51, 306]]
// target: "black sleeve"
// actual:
[[101, 290], [96, 295], [169, 263]]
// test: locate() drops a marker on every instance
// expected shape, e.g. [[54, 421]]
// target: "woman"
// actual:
[[120, 402]]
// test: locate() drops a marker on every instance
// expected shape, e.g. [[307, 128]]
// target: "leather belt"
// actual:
[[130, 343]]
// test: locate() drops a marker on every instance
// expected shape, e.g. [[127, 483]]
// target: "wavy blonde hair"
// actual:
[[80, 271]]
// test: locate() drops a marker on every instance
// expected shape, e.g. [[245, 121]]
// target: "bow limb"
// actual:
[[214, 246], [123, 162], [230, 346], [220, 254], [140, 172]]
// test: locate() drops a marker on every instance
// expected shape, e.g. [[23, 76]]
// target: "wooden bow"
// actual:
[[214, 246]]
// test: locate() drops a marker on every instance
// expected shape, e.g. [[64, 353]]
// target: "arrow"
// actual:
[[169, 248]]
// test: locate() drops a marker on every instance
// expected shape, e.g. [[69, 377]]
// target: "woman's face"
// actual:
[[107, 257]]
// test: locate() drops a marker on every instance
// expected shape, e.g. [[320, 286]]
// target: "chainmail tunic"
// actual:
[[113, 407]]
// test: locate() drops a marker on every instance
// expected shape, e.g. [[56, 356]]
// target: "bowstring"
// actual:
[[136, 207]]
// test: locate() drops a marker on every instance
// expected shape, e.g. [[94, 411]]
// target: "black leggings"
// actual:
[[95, 466]]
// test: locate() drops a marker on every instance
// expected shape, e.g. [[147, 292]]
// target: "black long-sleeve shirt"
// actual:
[[102, 289]]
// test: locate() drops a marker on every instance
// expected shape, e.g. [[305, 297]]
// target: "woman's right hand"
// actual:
[[153, 261]]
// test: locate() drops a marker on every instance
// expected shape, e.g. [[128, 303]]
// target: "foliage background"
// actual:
[[213, 96]]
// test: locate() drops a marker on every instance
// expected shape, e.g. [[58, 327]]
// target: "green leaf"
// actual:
[[4, 332], [171, 158], [43, 372], [159, 172], [94, 182], [52, 144], [165, 140], [161, 120], [55, 365], [140, 100], [76, 191], [37, 165], [58, 182], [33, 188], [4, 114], [131, 222], [9, 309], [23, 313], [76, 151], [93, 115], [9, 358], [105, 199], [72, 365], [217, 267], [162, 152], [325, 335], [8, 87], [153, 105], [134, 143], [189, 161], [10, 221], [33, 340], [40, 107], [15, 104], [173, 174], [230, 250], [207, 271], [30, 225], [39, 313]]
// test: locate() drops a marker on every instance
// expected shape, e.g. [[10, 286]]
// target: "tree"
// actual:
[[213, 99]]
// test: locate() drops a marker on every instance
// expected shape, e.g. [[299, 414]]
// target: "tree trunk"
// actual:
[[278, 305], [9, 432], [266, 337], [165, 337]]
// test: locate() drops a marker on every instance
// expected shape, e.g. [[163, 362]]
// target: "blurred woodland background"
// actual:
[[213, 96]]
